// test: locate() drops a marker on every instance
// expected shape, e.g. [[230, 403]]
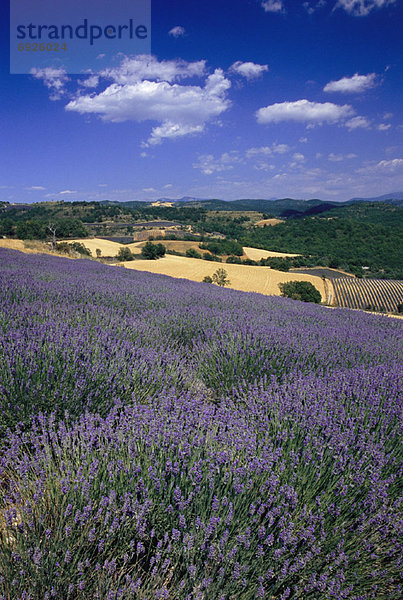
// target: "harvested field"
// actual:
[[27, 246], [323, 272], [243, 277], [264, 222], [141, 236], [377, 294], [257, 254], [178, 245], [107, 247], [12, 244]]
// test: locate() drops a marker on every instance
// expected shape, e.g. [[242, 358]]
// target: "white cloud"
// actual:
[[311, 8], [362, 8], [355, 84], [268, 150], [249, 70], [54, 79], [280, 148], [390, 165], [67, 192], [144, 66], [340, 157], [357, 123], [177, 31], [303, 111], [208, 164], [180, 109], [263, 166], [91, 82], [35, 188], [298, 157], [303, 140], [384, 126], [274, 6]]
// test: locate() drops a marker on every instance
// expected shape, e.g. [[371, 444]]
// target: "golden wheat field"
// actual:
[[242, 277], [178, 245], [264, 222], [257, 253], [107, 247], [27, 246]]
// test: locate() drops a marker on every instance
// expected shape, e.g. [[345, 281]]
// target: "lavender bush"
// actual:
[[162, 439]]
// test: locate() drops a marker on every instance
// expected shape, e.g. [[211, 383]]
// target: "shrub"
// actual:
[[80, 248], [212, 257], [207, 279], [220, 277], [64, 247], [234, 260], [224, 247], [192, 253], [300, 290], [124, 254], [153, 251]]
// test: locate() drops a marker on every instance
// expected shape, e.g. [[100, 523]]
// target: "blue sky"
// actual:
[[245, 99]]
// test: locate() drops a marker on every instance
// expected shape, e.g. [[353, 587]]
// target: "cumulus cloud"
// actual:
[[35, 188], [267, 150], [208, 164], [274, 6], [177, 31], [362, 8], [384, 126], [145, 66], [303, 111], [340, 157], [358, 123], [249, 70], [179, 109], [54, 79], [390, 165], [312, 7], [91, 82], [355, 84], [298, 157]]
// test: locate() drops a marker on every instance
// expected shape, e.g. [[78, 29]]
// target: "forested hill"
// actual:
[[348, 237]]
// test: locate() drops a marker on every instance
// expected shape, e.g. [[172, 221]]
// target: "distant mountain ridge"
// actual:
[[282, 207], [383, 198]]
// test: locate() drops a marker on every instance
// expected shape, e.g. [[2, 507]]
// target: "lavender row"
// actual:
[[174, 440]]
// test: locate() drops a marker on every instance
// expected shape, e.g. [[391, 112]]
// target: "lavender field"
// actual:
[[163, 439]]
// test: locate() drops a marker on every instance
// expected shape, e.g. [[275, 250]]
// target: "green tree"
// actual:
[[80, 248], [124, 254], [207, 279], [192, 253], [220, 277], [152, 251], [98, 252], [300, 290]]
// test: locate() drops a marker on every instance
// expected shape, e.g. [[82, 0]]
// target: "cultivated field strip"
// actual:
[[378, 294]]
